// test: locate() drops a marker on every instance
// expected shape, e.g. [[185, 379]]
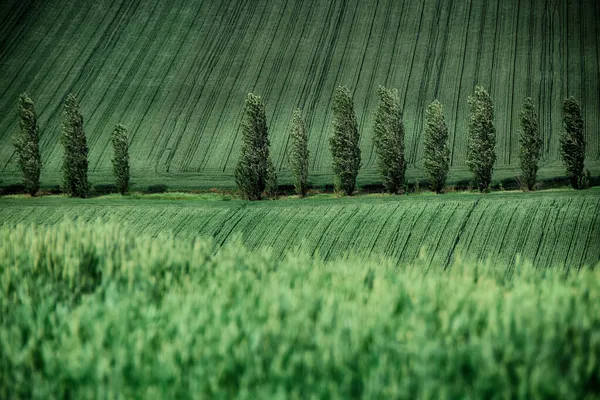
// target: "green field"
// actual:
[[89, 311], [555, 228], [176, 73]]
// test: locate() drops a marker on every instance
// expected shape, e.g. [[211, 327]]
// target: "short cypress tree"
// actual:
[[530, 144], [572, 142], [271, 180], [299, 154], [251, 171], [120, 158], [344, 142], [389, 140], [436, 157], [27, 146], [75, 161], [481, 141]]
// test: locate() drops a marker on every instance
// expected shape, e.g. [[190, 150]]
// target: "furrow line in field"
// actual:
[[366, 104], [480, 42], [14, 27], [425, 82], [442, 56], [279, 103], [305, 92], [232, 213], [142, 42], [341, 224], [512, 95], [22, 81], [232, 143], [91, 69], [504, 234], [199, 71], [577, 223], [283, 225], [256, 231], [414, 52], [466, 220], [399, 256], [590, 236], [60, 91], [211, 105], [561, 212], [282, 44], [41, 51], [325, 72], [458, 98], [324, 230], [438, 238], [155, 67], [542, 236], [154, 100], [382, 226]]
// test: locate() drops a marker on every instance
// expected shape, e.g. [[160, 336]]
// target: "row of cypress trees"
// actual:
[[75, 158], [255, 174]]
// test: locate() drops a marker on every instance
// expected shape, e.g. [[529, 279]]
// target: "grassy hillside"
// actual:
[[88, 311], [549, 229], [176, 74]]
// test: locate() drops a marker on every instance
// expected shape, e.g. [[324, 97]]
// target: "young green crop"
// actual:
[[87, 310]]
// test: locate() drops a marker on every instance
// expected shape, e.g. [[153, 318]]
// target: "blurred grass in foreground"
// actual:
[[89, 311]]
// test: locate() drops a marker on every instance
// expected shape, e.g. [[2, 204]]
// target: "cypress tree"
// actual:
[[251, 171], [530, 144], [75, 161], [344, 142], [572, 142], [120, 159], [299, 154], [481, 141], [436, 151], [27, 146], [389, 140]]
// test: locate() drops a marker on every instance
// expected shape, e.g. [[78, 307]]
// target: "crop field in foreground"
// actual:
[[90, 311], [176, 73], [560, 228]]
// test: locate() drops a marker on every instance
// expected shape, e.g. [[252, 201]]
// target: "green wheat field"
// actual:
[[181, 289]]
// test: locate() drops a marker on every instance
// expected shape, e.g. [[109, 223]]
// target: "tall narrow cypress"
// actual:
[[572, 142], [530, 144], [344, 142], [75, 159], [27, 146], [252, 169], [436, 152], [299, 154], [481, 141], [389, 140], [120, 158]]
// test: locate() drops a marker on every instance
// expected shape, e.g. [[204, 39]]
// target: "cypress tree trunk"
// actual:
[[120, 159], [252, 169], [75, 161], [481, 153], [299, 154], [27, 146], [530, 144], [389, 140], [572, 142], [344, 142], [436, 152]]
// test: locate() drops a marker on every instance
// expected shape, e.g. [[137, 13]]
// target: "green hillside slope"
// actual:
[[176, 72], [549, 229]]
